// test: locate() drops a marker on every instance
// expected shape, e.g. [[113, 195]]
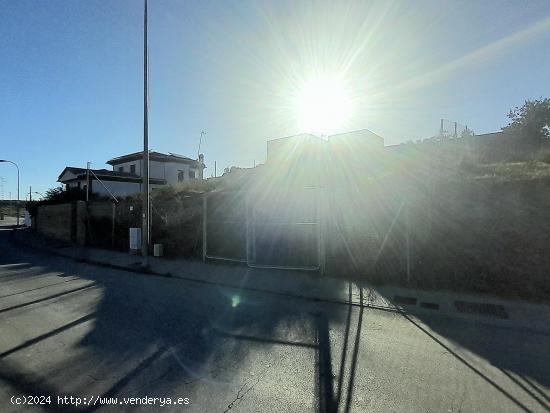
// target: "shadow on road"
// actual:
[[150, 335], [519, 355], [155, 334]]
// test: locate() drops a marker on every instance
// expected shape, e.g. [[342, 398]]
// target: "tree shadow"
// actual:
[[150, 335], [519, 354]]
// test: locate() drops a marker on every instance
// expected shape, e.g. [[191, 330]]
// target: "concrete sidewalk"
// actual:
[[311, 286]]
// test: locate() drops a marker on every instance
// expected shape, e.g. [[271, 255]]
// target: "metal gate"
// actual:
[[224, 226], [284, 230], [275, 230]]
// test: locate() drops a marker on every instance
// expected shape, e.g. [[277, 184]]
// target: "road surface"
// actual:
[[103, 335]]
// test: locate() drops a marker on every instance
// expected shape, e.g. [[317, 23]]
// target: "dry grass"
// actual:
[[506, 171]]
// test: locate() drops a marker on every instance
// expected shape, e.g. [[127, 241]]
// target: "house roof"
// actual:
[[98, 172], [105, 175], [154, 156], [72, 169]]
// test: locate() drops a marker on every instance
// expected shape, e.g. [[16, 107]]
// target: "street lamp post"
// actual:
[[145, 162], [5, 160]]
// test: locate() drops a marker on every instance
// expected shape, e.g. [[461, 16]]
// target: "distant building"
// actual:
[[355, 146], [126, 176], [306, 159]]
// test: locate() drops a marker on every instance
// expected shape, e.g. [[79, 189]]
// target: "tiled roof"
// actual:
[[158, 156], [81, 173]]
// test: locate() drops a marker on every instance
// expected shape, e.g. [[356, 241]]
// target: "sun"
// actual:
[[323, 105]]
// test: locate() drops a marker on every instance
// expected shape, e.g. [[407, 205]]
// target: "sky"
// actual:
[[71, 74]]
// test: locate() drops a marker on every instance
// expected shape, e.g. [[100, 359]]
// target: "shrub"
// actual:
[[57, 195], [544, 156]]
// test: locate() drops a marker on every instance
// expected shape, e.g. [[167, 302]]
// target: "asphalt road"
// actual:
[[72, 329]]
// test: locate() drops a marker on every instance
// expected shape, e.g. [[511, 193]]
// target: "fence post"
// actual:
[[321, 214], [253, 234], [408, 242], [204, 218], [113, 228], [87, 225], [246, 211]]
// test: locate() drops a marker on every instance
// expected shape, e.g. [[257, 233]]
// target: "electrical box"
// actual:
[[135, 239], [158, 250]]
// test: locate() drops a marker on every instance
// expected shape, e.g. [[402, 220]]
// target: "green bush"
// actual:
[[544, 156], [57, 195]]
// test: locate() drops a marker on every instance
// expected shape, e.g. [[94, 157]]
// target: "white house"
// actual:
[[126, 176]]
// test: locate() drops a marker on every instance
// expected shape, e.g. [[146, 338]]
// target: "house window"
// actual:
[[191, 174], [180, 176], [133, 169], [121, 168]]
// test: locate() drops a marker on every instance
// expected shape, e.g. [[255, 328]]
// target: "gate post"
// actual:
[[113, 222], [204, 223], [322, 230]]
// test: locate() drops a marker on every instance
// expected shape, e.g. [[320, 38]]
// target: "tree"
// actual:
[[60, 195], [530, 122], [57, 195]]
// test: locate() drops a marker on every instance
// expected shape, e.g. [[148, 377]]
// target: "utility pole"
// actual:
[[145, 186], [215, 170], [30, 193], [87, 182]]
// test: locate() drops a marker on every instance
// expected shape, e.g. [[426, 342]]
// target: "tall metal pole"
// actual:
[[87, 182], [17, 192], [145, 186]]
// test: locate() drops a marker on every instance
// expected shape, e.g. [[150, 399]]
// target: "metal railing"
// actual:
[[230, 232]]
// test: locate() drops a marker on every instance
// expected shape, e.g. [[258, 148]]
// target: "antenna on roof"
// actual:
[[200, 142]]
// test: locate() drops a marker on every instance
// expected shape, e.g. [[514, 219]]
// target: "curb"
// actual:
[[206, 282], [404, 304]]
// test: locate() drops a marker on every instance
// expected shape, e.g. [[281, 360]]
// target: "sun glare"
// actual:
[[322, 106]]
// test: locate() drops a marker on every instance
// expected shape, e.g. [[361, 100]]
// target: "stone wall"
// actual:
[[80, 223], [65, 222], [55, 221]]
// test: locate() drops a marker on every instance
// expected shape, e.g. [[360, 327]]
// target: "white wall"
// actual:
[[162, 170], [173, 168], [74, 184], [66, 176], [126, 166], [156, 169], [117, 188]]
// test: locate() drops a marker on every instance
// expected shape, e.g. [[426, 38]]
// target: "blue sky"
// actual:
[[71, 73]]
